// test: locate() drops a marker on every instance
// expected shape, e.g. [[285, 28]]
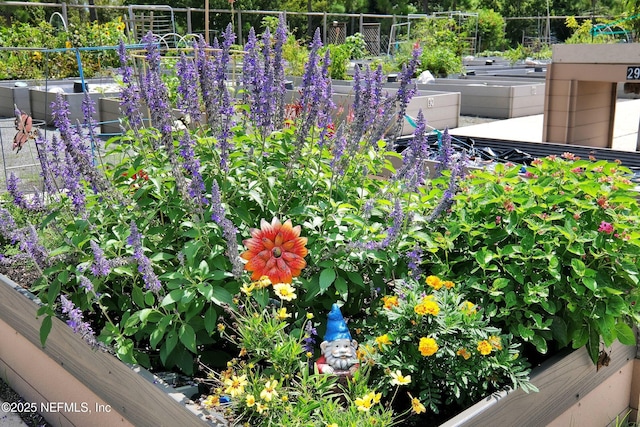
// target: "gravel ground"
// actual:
[[31, 419]]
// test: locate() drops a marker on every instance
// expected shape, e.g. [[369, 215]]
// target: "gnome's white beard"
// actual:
[[340, 363]]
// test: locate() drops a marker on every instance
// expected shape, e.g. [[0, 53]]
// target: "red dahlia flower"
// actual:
[[275, 250]]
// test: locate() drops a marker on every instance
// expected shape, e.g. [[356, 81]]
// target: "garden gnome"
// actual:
[[338, 349]]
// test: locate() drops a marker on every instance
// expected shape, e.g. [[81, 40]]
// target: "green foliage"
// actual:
[[440, 61], [444, 342], [551, 255], [581, 33], [356, 46], [36, 64], [490, 30], [521, 53], [295, 55], [271, 382], [339, 56]]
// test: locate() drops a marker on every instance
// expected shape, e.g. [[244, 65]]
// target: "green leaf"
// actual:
[[161, 256], [341, 287], [559, 331], [210, 320], [124, 350], [171, 341], [45, 328], [327, 276], [580, 337], [625, 334], [524, 332], [188, 337], [172, 297], [220, 296], [138, 296], [590, 283], [540, 343], [578, 266]]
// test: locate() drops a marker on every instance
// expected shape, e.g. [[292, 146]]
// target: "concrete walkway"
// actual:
[[9, 419], [529, 129]]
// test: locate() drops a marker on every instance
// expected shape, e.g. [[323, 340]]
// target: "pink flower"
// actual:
[[498, 219], [605, 227]]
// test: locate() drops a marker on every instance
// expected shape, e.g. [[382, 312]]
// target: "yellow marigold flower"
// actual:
[[468, 307], [495, 342], [484, 347], [417, 406], [235, 385], [428, 346], [269, 391], [282, 314], [250, 400], [448, 284], [211, 401], [464, 353], [434, 282], [383, 340], [398, 379], [390, 301], [285, 291], [427, 306], [261, 408], [263, 282], [248, 289]]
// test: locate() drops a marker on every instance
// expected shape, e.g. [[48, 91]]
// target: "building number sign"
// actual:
[[633, 73]]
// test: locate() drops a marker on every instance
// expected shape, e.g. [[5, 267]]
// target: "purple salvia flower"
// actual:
[[145, 268], [188, 101], [100, 265], [340, 144], [192, 166], [415, 259], [250, 68], [8, 226], [309, 333], [85, 283], [47, 168], [229, 232], [457, 171], [414, 169], [207, 78], [76, 321], [445, 153], [30, 244], [129, 95], [406, 90], [279, 89], [88, 111], [367, 208], [18, 197]]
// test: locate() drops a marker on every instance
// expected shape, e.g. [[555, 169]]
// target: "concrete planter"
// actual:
[[14, 93], [71, 384], [572, 392], [42, 96], [110, 116]]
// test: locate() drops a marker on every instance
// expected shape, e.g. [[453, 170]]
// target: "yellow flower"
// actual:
[[250, 400], [484, 347], [309, 354], [383, 340], [427, 346], [468, 307], [120, 26], [495, 342], [243, 352], [282, 314], [269, 391], [309, 316], [248, 289], [448, 284], [464, 353], [332, 425], [235, 385], [37, 56], [261, 408], [285, 291], [434, 282], [263, 282], [365, 402], [221, 327], [390, 301], [417, 406], [68, 44], [398, 379], [211, 401], [427, 306]]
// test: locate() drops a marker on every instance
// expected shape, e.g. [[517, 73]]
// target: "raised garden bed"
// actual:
[[71, 384]]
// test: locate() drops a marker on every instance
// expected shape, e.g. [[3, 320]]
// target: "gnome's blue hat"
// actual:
[[336, 326]]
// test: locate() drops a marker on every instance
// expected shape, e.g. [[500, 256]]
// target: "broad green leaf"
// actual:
[[625, 334], [578, 266], [188, 337], [210, 320], [45, 328], [172, 297], [327, 276]]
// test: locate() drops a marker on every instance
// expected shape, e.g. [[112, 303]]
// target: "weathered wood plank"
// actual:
[[562, 381], [139, 401]]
